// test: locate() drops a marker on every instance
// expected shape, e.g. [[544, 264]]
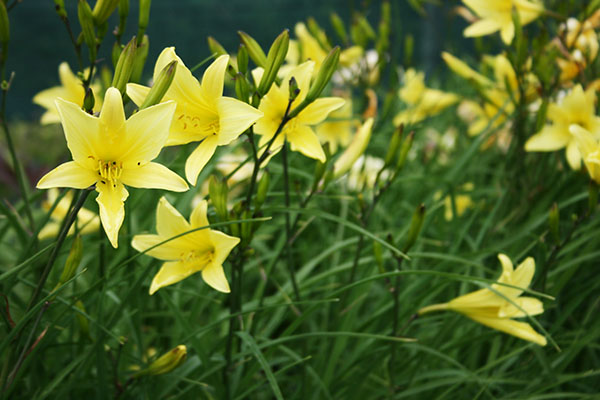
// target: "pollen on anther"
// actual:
[[139, 163]]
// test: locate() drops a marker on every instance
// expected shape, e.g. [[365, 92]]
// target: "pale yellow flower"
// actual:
[[359, 144], [337, 129], [496, 15], [462, 201], [577, 107], [497, 306], [110, 152], [582, 40], [590, 150], [87, 221], [71, 89], [364, 172], [203, 114], [202, 251]]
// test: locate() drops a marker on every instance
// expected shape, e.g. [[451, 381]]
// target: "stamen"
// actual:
[[110, 171]]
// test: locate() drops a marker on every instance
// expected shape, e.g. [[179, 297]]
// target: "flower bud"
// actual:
[[241, 88], [143, 19], [378, 254], [317, 32], [89, 101], [262, 190], [165, 363], [242, 59], [123, 13], [393, 146], [161, 85], [124, 66], [103, 9], [553, 218], [215, 47], [293, 88], [59, 5], [339, 27], [4, 25], [139, 61], [246, 227], [327, 69], [354, 150], [404, 149], [409, 48], [115, 53], [86, 20], [84, 325], [218, 192], [416, 224], [275, 58], [255, 52], [73, 261]]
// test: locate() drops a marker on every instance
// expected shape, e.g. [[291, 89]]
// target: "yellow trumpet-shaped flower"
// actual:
[[203, 114], [71, 89], [297, 131], [203, 250], [577, 107], [87, 221], [495, 308], [496, 15], [110, 152], [359, 144], [589, 149]]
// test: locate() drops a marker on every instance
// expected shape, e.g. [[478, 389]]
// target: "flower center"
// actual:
[[193, 124], [202, 257], [109, 171]]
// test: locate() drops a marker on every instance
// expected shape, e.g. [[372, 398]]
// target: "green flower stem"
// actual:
[[288, 249]]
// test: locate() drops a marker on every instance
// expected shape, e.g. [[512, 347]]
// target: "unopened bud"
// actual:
[[86, 20], [143, 19], [378, 254], [246, 227], [141, 53], [73, 261], [84, 325], [103, 9], [88, 100], [124, 66], [393, 146], [218, 192], [255, 52], [215, 47], [59, 5], [115, 54], [354, 150], [294, 89], [409, 47], [242, 59], [553, 218], [275, 59], [325, 72], [416, 224], [241, 88], [317, 32], [165, 363], [262, 190], [4, 25], [404, 149], [339, 27]]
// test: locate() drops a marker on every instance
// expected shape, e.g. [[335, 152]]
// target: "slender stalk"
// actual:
[[288, 249]]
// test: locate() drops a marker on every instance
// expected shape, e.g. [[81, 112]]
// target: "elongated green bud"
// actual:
[[242, 59], [141, 54], [165, 363], [255, 52], [73, 261], [215, 47], [416, 224], [378, 254], [553, 218], [325, 72], [294, 90], [339, 27], [86, 20], [409, 47], [84, 325], [89, 101], [275, 58], [4, 25], [262, 190], [404, 149], [143, 19], [317, 32], [393, 146], [241, 88], [103, 9], [124, 66], [161, 85], [246, 227], [59, 5], [116, 53], [218, 192]]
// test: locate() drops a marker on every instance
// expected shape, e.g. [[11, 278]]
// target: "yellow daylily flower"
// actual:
[[363, 173], [589, 149], [422, 101], [203, 114], [577, 107], [87, 221], [71, 89], [496, 16], [583, 40], [359, 144], [462, 201], [296, 131], [337, 130], [203, 250], [110, 152], [495, 308]]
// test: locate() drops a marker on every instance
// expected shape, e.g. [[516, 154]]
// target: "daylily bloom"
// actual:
[[496, 16], [203, 250], [359, 144], [86, 221], [297, 131], [496, 306], [338, 130], [582, 45], [363, 173], [462, 202], [109, 152], [422, 101], [203, 114], [71, 89], [577, 107], [590, 150]]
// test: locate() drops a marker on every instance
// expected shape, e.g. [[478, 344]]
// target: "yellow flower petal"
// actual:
[[169, 221], [69, 174], [302, 73], [550, 138], [354, 150], [166, 251], [153, 176], [112, 116], [81, 131], [573, 156], [184, 88], [214, 276], [112, 211], [199, 157], [198, 218], [170, 273], [481, 28], [519, 329], [234, 118], [137, 93], [214, 79], [319, 109], [507, 33], [223, 244], [304, 140], [530, 305]]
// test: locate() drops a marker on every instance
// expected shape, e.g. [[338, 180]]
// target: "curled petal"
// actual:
[[304, 140], [112, 211], [214, 79], [199, 157], [214, 276], [519, 329], [170, 273]]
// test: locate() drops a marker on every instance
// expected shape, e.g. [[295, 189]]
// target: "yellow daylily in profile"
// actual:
[[363, 173], [422, 101], [203, 114], [71, 89], [86, 221], [110, 152], [590, 150], [577, 107], [337, 130], [496, 15], [203, 250], [296, 131], [495, 308], [359, 144]]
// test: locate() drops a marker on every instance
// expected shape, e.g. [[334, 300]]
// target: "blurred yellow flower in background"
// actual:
[[87, 221], [202, 251], [581, 41], [589, 149], [337, 129], [497, 306]]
